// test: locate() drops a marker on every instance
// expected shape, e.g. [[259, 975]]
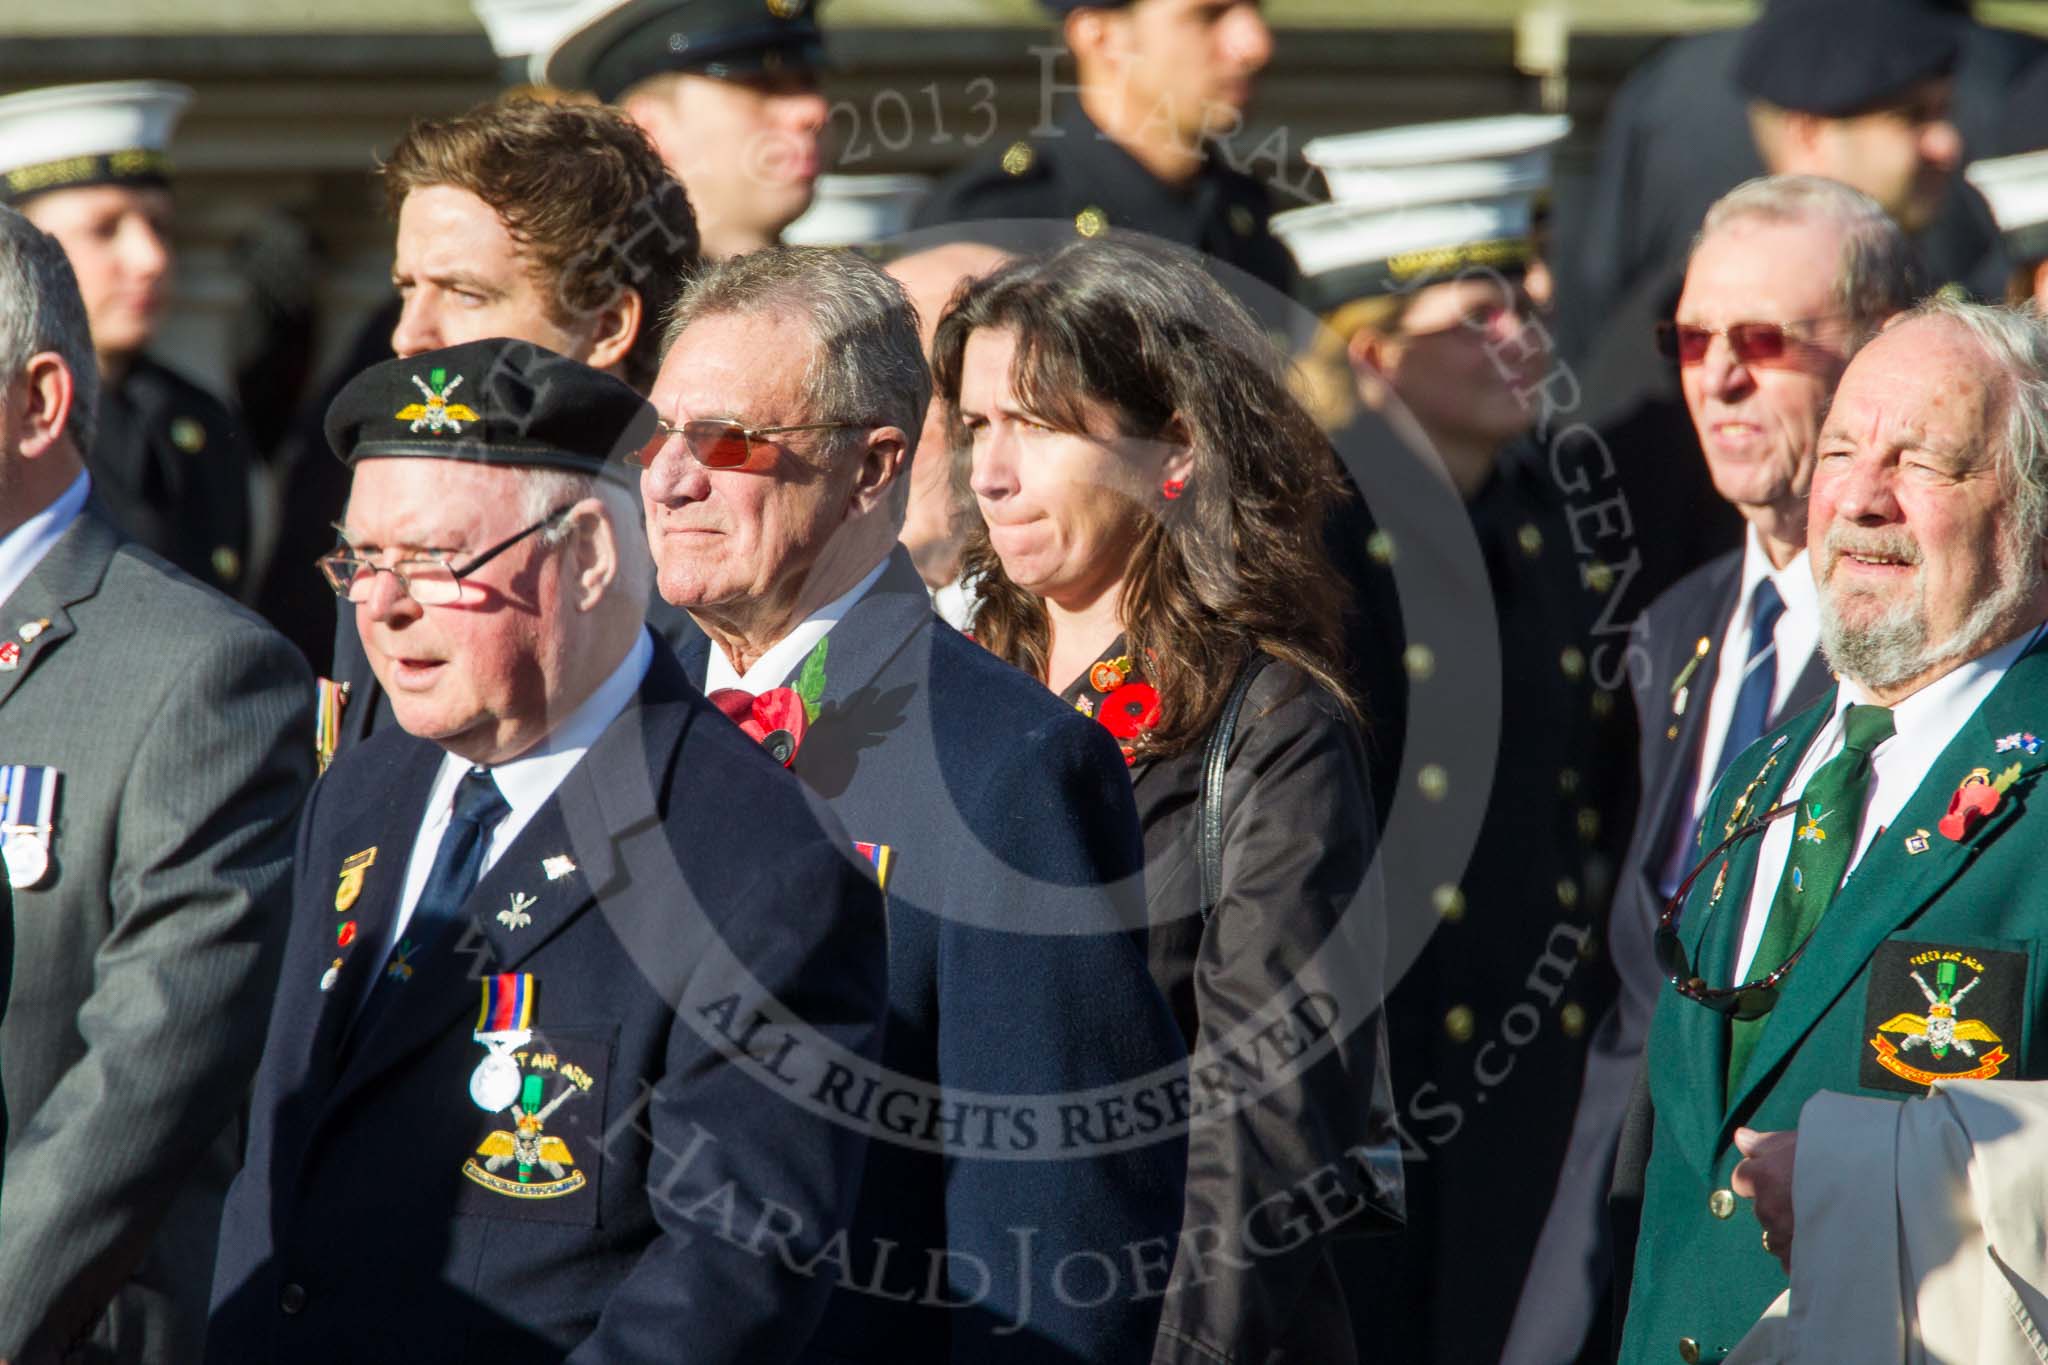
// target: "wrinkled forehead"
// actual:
[[754, 367], [428, 503], [1925, 381]]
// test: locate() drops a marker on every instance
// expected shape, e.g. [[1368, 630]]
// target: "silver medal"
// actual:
[[494, 1085], [28, 860]]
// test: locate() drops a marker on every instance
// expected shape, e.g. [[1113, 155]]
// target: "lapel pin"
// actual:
[[514, 916], [1679, 700], [330, 976], [2018, 740], [33, 629], [353, 869], [10, 656], [558, 867], [1917, 843]]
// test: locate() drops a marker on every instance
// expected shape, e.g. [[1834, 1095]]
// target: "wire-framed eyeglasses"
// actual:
[[1751, 1000], [428, 579]]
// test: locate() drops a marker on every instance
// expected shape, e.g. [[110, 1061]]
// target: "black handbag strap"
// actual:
[[1209, 805]]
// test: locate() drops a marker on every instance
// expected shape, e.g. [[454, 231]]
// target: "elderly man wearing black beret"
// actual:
[[532, 1088]]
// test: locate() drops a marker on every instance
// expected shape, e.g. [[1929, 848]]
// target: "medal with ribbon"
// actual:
[[28, 806], [504, 1023]]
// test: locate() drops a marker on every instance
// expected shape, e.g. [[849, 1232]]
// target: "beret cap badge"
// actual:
[[437, 414]]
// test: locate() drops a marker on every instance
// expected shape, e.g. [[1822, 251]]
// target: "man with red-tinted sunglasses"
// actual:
[[1789, 276]]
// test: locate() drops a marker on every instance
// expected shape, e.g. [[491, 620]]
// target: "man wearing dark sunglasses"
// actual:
[[1789, 276], [1862, 915], [791, 393], [489, 1064]]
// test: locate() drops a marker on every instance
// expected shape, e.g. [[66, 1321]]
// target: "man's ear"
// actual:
[[617, 327], [594, 554], [884, 462], [49, 394]]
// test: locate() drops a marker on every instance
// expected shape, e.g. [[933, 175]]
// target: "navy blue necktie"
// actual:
[[458, 865], [1752, 712]]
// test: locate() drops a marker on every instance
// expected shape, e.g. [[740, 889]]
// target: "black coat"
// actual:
[[1016, 969], [674, 939], [1296, 934], [171, 468], [1491, 1019]]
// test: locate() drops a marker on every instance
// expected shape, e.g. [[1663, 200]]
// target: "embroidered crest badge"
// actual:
[[437, 414], [1937, 1035]]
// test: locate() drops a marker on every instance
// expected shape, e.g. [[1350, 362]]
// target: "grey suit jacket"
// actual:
[[147, 958]]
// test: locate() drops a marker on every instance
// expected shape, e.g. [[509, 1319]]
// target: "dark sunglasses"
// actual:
[[721, 443], [1752, 1000], [1754, 343]]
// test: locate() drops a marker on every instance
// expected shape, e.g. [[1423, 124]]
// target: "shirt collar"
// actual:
[[25, 546], [1957, 692], [526, 782], [782, 658], [1794, 582]]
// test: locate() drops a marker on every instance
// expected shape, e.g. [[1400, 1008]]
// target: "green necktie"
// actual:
[[1823, 840]]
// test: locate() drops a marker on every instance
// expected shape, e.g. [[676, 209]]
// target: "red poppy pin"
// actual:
[[776, 719], [1130, 710], [1976, 798]]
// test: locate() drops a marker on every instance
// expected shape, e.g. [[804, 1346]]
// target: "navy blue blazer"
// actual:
[[1016, 968], [705, 946]]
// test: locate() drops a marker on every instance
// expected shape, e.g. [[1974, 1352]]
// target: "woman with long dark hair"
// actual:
[[1152, 501]]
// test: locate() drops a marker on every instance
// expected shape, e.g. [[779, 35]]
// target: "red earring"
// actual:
[[1172, 488]]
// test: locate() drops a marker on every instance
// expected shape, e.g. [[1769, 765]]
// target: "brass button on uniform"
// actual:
[[1241, 220], [1530, 539], [1017, 158], [1671, 732], [291, 1300], [1589, 823], [227, 565], [188, 435], [1598, 576], [1567, 892], [1420, 661], [1450, 902], [1567, 780], [1091, 222], [1689, 1351], [1380, 546], [1573, 662], [1572, 1019], [1603, 705], [1434, 781], [1459, 1022], [1721, 1203]]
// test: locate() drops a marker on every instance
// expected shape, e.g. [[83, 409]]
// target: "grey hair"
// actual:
[[867, 364], [541, 491], [1881, 273], [41, 310], [2016, 339]]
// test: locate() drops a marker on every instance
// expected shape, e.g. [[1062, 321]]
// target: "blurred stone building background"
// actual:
[[278, 211]]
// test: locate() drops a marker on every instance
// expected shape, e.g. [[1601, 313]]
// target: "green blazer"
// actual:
[[1929, 937]]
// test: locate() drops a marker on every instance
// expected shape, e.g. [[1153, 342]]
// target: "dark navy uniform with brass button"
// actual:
[[1077, 177]]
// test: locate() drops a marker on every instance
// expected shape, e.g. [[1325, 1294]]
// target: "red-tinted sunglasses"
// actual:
[[1754, 343], [721, 443]]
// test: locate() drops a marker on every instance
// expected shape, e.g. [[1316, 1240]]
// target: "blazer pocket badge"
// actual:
[[1940, 1012], [28, 815]]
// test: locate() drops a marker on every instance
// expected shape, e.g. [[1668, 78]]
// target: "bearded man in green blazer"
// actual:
[[1866, 918]]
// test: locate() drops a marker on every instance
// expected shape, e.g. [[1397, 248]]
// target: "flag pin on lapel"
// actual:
[[10, 656], [2018, 740], [514, 916], [558, 867], [36, 627], [1916, 842]]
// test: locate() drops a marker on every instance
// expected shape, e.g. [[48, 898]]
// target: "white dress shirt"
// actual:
[[1924, 724], [772, 668], [1796, 636], [526, 782], [24, 547]]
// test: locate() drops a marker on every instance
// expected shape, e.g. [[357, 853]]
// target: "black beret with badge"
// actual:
[[1065, 7], [105, 133], [1837, 58], [626, 42], [497, 402]]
